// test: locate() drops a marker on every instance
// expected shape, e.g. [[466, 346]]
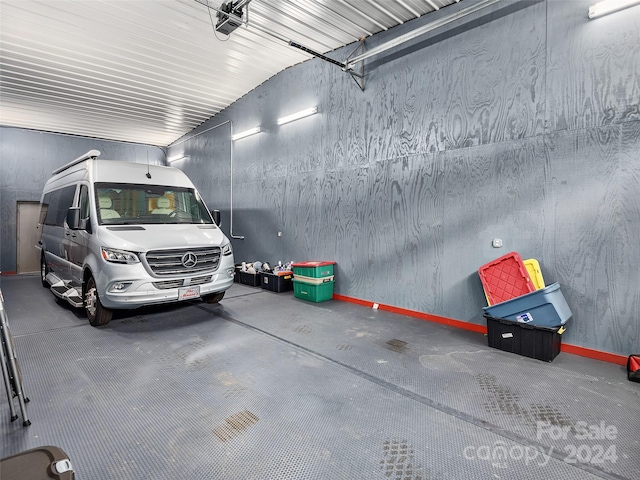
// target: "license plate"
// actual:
[[189, 292]]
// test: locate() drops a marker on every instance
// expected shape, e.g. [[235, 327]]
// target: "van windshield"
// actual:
[[126, 204]]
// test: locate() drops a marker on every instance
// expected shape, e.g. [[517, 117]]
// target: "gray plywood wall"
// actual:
[[27, 159], [524, 127]]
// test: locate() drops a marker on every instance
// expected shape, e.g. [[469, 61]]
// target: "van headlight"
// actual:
[[119, 256], [227, 250]]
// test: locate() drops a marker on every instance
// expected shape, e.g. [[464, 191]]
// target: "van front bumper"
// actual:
[[127, 293]]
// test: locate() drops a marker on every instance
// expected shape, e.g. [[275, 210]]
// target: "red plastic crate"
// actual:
[[505, 278]]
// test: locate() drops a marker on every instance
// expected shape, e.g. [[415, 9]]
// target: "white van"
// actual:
[[121, 235]]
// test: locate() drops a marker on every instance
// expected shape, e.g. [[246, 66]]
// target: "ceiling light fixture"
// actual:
[[175, 158], [246, 133], [606, 7], [295, 116]]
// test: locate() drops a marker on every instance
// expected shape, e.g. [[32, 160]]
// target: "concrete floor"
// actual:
[[267, 386]]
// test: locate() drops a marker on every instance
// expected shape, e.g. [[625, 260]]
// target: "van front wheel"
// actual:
[[213, 298], [96, 313]]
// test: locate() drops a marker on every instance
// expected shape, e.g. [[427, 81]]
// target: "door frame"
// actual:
[[21, 248]]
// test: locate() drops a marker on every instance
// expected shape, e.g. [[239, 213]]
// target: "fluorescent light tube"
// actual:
[[295, 116], [609, 6], [246, 133], [175, 158]]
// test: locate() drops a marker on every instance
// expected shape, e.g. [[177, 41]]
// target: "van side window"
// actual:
[[58, 201], [43, 212], [66, 201], [51, 200], [44, 207], [83, 203]]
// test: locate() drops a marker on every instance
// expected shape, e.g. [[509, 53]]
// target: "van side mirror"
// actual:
[[73, 218], [216, 217]]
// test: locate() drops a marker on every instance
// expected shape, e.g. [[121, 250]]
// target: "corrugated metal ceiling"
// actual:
[[149, 71]]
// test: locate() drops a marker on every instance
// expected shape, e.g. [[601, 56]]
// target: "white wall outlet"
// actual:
[[497, 243]]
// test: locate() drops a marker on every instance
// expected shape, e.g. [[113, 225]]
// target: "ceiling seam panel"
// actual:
[[120, 131], [415, 13], [301, 26], [362, 31], [77, 80], [95, 98], [362, 14], [96, 114], [90, 69], [234, 38], [385, 12], [90, 102], [69, 46], [158, 45], [321, 16], [102, 45], [23, 69]]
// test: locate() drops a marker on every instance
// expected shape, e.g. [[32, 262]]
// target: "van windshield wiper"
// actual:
[[126, 221]]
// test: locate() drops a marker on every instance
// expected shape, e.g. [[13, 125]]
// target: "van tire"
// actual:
[[44, 270], [213, 298], [96, 313]]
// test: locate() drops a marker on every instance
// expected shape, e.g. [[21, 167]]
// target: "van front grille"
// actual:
[[200, 280], [168, 284], [183, 261]]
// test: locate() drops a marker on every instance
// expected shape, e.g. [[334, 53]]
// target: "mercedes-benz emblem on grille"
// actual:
[[189, 260]]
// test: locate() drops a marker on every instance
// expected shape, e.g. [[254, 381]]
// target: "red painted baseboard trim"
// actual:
[[573, 349], [357, 301], [9, 273], [415, 314], [595, 354]]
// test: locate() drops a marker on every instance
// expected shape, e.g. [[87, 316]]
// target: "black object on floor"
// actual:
[[40, 463], [633, 368]]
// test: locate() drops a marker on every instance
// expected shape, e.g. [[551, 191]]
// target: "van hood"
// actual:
[[142, 238]]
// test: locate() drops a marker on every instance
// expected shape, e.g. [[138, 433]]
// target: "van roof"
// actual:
[[115, 171], [81, 158]]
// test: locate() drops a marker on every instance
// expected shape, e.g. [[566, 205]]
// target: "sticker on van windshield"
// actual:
[[189, 292]]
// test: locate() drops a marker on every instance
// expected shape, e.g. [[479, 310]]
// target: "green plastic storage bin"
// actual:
[[313, 269], [313, 293]]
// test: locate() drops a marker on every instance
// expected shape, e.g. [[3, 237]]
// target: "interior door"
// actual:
[[26, 238]]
